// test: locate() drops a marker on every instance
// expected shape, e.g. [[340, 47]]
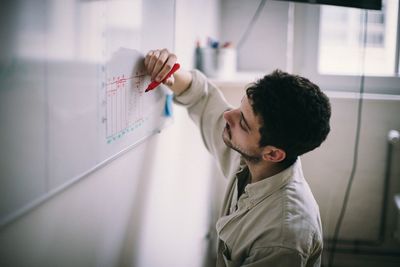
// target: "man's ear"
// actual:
[[273, 154]]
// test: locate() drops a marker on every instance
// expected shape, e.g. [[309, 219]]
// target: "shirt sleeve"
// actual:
[[274, 256], [206, 105]]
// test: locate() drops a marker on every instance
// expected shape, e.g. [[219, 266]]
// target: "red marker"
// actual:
[[154, 84]]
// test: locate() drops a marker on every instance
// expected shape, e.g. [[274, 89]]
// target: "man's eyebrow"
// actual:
[[245, 121]]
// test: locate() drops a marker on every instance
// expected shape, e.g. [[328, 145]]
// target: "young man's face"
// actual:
[[241, 132]]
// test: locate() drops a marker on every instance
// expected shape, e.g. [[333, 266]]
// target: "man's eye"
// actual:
[[241, 125]]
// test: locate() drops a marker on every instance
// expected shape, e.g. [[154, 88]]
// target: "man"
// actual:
[[269, 216]]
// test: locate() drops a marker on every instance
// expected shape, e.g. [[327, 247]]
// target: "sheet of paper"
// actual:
[[128, 107]]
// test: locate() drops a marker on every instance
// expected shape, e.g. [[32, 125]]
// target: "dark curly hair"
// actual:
[[294, 113]]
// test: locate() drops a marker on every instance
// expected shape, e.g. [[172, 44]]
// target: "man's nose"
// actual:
[[228, 116]]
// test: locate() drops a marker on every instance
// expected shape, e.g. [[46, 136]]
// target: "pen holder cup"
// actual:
[[216, 62]]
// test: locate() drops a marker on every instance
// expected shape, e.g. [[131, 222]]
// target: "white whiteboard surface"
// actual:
[[72, 91]]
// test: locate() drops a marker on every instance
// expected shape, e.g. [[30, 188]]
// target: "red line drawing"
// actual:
[[123, 80]]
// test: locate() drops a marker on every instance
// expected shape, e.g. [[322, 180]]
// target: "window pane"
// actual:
[[341, 40]]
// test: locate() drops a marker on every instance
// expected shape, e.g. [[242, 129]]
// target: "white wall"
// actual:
[[265, 48]]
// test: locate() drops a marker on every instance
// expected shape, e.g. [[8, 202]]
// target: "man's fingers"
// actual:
[[147, 58], [153, 57], [160, 63], [170, 81], [166, 68]]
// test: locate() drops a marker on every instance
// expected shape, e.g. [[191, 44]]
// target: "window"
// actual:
[[328, 47], [341, 37]]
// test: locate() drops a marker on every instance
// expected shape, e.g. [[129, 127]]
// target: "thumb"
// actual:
[[170, 81]]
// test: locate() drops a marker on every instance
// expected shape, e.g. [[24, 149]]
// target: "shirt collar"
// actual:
[[260, 190]]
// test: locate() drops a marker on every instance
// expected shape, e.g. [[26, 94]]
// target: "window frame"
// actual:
[[305, 57]]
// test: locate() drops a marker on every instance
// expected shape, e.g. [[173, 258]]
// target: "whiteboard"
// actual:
[[72, 91]]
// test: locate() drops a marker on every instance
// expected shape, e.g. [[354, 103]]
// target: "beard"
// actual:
[[227, 138]]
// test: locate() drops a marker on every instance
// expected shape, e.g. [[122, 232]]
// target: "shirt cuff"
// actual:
[[196, 90]]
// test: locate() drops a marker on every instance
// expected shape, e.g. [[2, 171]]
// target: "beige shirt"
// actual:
[[276, 221]]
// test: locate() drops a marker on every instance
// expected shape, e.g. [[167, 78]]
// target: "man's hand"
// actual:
[[159, 62]]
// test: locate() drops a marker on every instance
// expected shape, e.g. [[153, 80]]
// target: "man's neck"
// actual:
[[262, 170]]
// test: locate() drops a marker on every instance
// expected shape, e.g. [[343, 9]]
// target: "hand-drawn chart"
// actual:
[[128, 108], [124, 104]]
